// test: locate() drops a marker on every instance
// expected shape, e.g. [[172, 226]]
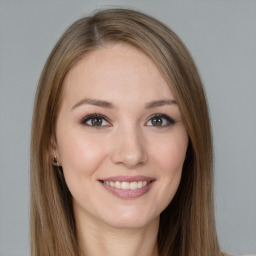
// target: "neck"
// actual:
[[96, 240]]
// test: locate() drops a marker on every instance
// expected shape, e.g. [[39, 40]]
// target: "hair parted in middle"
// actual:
[[187, 225]]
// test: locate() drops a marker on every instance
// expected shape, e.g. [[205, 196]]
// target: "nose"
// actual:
[[129, 148]]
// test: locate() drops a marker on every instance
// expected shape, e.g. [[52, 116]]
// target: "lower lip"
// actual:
[[128, 193]]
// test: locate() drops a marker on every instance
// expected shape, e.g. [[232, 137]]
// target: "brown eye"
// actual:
[[160, 120], [95, 120], [157, 121]]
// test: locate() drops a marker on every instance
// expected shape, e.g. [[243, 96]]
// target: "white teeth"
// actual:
[[126, 185], [118, 184], [133, 185]]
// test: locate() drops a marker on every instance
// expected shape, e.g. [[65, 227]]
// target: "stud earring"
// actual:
[[55, 161]]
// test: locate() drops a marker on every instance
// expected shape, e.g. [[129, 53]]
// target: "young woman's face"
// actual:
[[120, 138]]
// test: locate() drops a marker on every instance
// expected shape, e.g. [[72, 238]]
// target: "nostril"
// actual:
[[129, 150]]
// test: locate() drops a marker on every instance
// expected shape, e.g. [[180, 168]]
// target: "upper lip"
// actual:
[[129, 178]]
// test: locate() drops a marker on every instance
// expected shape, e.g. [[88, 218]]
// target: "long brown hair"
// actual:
[[187, 225]]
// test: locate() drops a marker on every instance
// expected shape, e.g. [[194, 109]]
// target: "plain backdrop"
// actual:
[[221, 35]]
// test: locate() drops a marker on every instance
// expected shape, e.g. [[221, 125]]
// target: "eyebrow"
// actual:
[[106, 104], [94, 102], [160, 103]]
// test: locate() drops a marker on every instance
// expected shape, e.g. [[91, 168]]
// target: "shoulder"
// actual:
[[226, 254]]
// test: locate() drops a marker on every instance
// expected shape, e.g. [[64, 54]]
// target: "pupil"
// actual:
[[157, 121], [96, 121]]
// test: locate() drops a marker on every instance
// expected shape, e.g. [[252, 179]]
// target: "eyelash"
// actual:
[[94, 116], [170, 121]]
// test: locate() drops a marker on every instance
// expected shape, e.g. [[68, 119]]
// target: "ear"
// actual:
[[54, 152], [53, 144]]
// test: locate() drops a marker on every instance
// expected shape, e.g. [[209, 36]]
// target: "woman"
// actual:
[[121, 150]]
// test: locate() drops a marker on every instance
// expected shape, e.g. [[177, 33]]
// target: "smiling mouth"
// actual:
[[126, 185]]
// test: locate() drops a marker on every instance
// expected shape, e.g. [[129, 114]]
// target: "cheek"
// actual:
[[79, 154], [169, 158], [80, 157], [171, 152]]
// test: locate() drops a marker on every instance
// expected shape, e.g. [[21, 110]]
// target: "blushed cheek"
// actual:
[[172, 155], [172, 164], [80, 156], [80, 159]]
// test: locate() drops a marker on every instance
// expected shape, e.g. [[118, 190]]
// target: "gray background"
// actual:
[[221, 36]]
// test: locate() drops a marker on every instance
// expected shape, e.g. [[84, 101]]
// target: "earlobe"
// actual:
[[55, 161], [54, 152]]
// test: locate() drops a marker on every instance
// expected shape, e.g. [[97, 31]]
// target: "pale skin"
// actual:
[[118, 117]]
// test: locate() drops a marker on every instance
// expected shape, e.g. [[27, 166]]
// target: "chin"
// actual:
[[131, 221]]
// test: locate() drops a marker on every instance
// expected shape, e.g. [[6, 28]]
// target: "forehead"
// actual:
[[116, 69]]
